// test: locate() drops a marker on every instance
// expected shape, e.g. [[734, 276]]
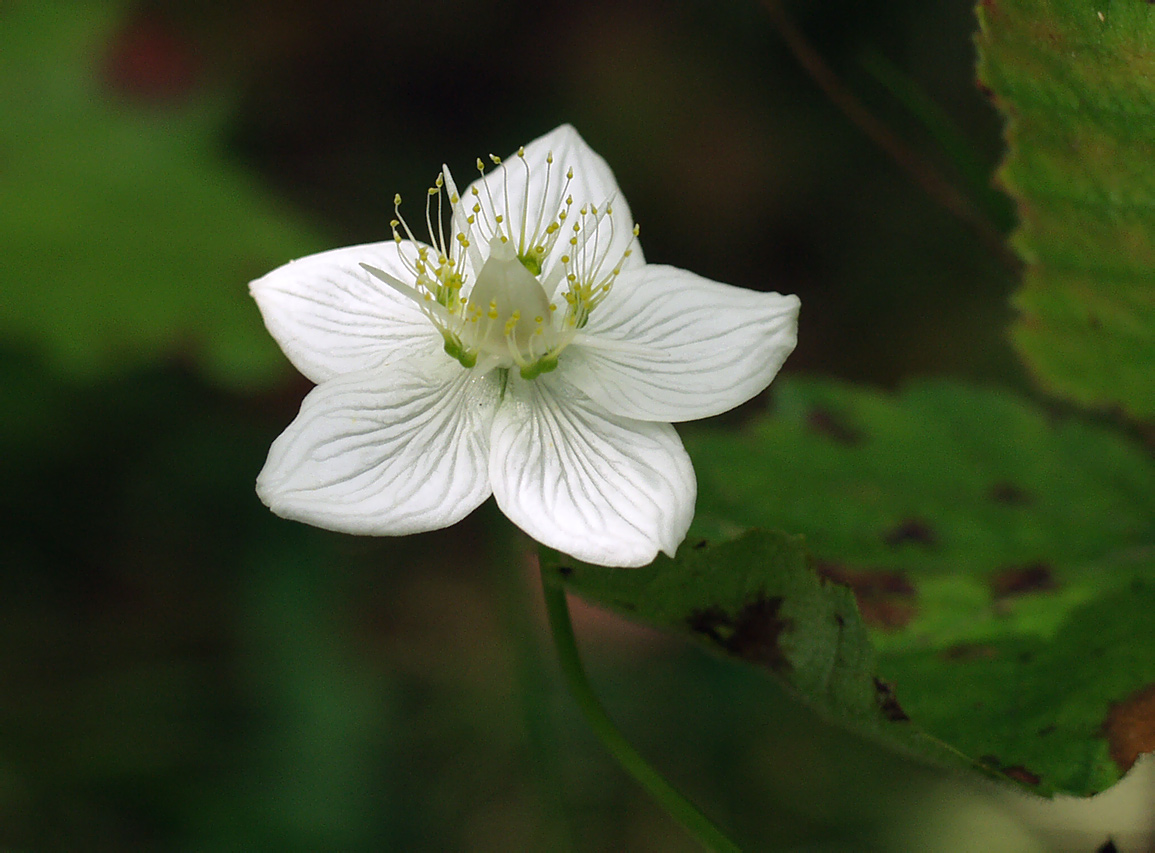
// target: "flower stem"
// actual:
[[680, 808]]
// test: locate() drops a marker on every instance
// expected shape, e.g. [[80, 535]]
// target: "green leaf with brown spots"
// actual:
[[1076, 84], [757, 599], [126, 235], [1002, 559]]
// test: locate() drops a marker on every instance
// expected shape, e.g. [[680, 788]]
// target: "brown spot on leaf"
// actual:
[[751, 635], [1021, 774], [827, 423], [911, 530], [1015, 771], [888, 702], [885, 598], [1010, 494], [1021, 580], [700, 544], [1108, 846], [970, 651], [1130, 727]]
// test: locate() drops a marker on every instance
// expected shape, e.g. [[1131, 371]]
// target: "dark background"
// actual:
[[181, 670]]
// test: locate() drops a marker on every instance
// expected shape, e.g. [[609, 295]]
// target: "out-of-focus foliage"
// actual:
[[1076, 83], [126, 236]]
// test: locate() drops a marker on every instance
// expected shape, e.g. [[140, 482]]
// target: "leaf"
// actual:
[[757, 599], [1003, 566], [1003, 561], [1076, 84], [126, 236]]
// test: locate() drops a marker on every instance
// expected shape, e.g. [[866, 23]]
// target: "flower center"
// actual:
[[535, 288]]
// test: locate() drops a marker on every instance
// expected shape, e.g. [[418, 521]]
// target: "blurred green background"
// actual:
[[181, 670]]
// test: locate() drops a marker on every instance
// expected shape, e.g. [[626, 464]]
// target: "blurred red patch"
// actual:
[[149, 60]]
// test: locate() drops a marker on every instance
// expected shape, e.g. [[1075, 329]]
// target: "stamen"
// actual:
[[521, 248]]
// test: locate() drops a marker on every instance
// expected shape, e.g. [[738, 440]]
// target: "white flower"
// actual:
[[526, 350]]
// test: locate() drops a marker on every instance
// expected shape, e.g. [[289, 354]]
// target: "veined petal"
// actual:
[[332, 317], [606, 489], [678, 347], [530, 191], [394, 450]]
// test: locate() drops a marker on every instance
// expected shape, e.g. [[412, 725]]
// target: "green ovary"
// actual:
[[459, 352], [536, 369]]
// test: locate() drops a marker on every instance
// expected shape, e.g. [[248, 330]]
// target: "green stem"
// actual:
[[680, 808]]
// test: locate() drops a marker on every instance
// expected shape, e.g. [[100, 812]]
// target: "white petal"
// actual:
[[538, 192], [606, 489], [331, 317], [678, 347], [395, 450]]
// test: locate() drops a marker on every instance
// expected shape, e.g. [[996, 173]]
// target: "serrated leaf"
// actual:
[[757, 599], [1076, 84], [1003, 561], [126, 237]]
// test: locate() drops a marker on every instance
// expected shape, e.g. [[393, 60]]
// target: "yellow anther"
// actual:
[[397, 199], [434, 191], [440, 182], [565, 259], [573, 241], [496, 160], [521, 151], [569, 177], [549, 157], [499, 219], [480, 168]]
